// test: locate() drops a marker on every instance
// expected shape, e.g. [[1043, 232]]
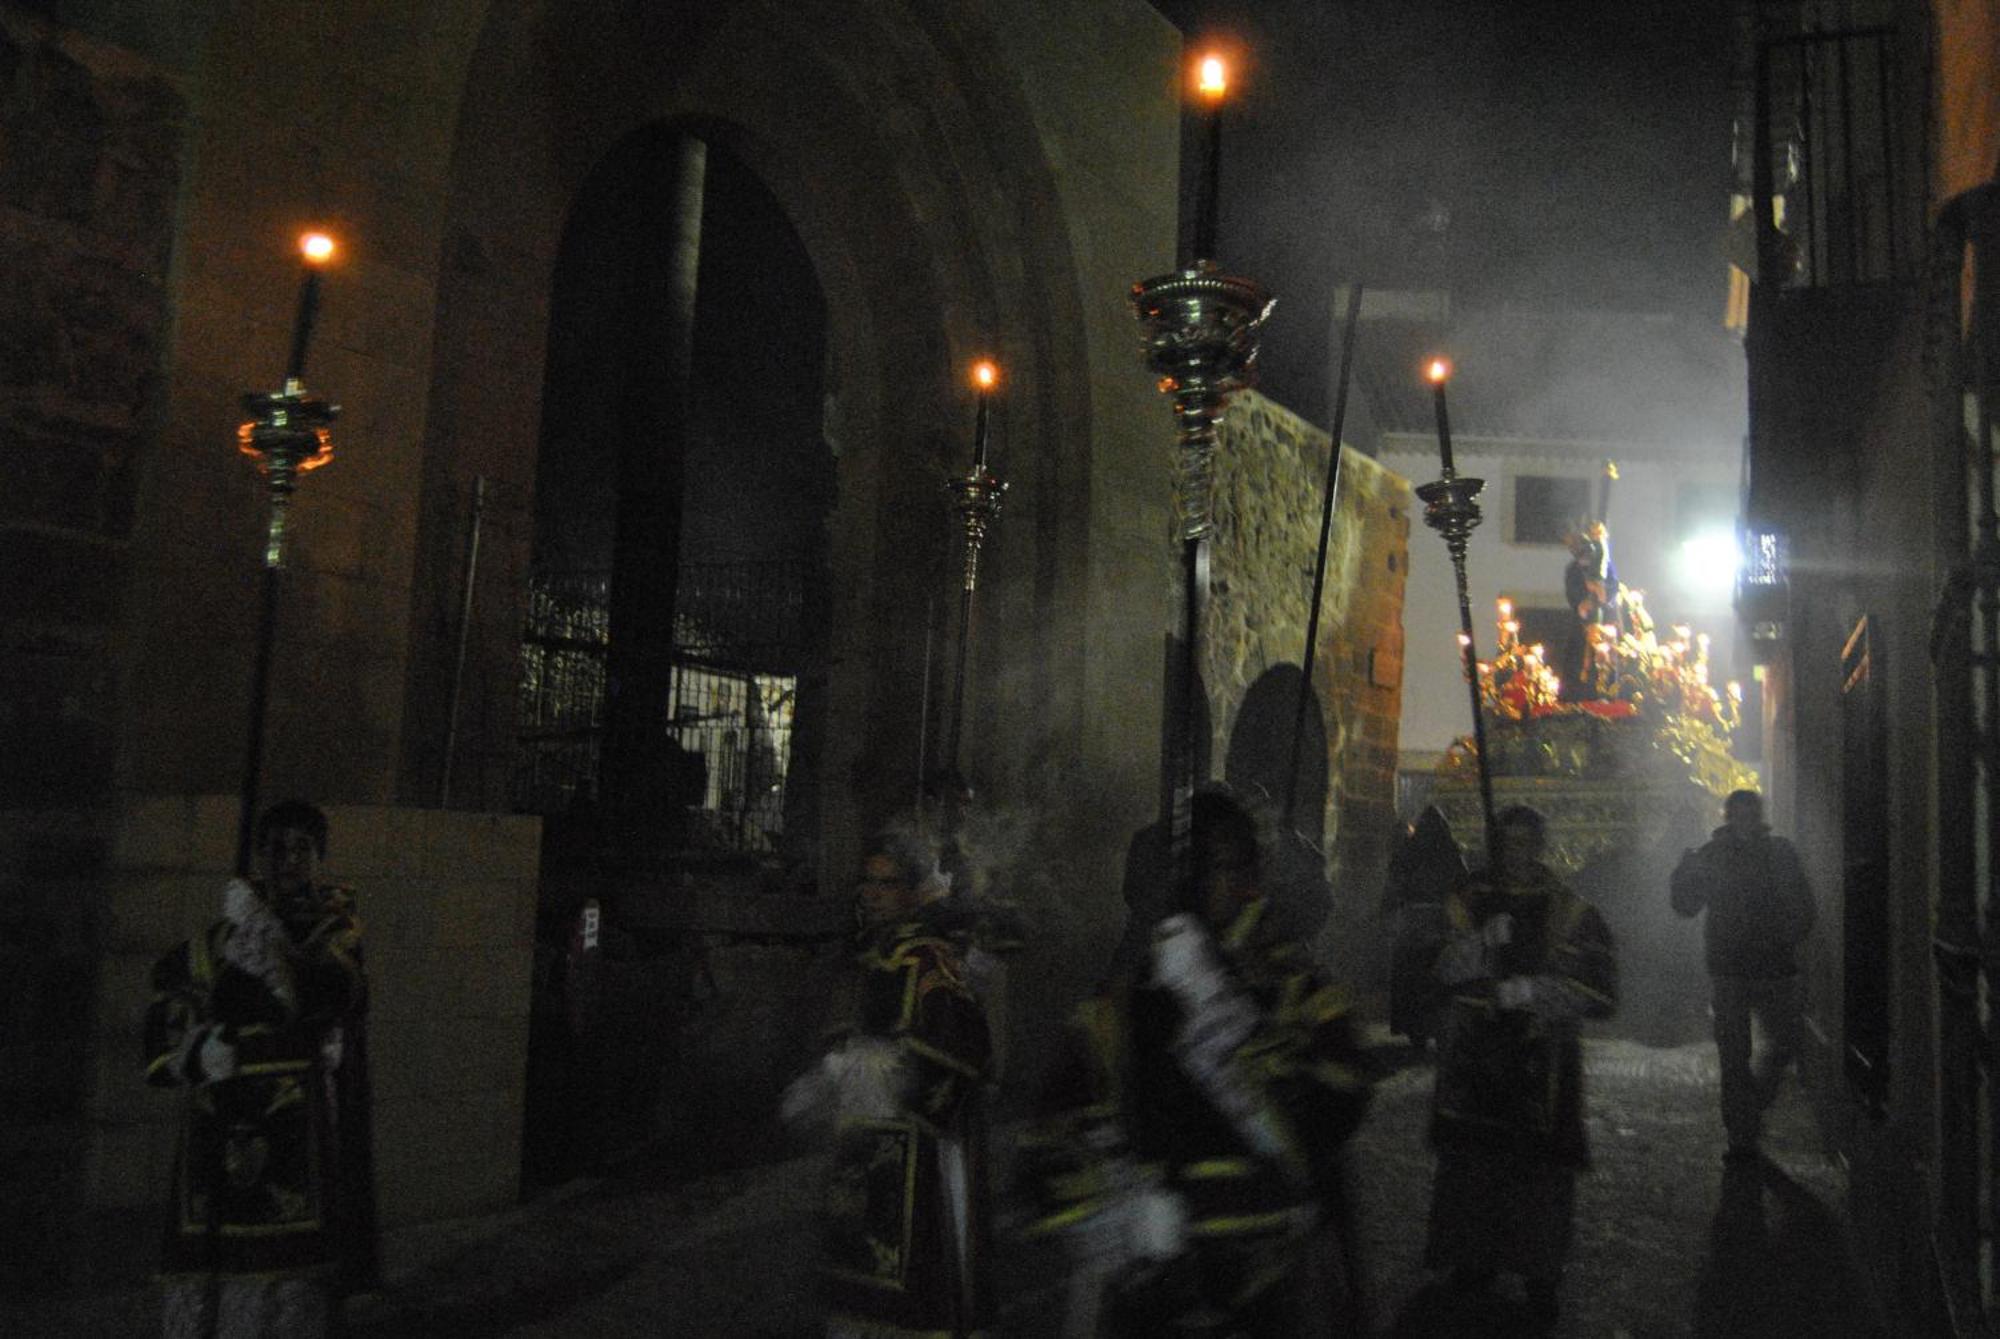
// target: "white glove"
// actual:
[[1182, 959], [807, 1107], [1158, 1225], [863, 1078], [1515, 992], [216, 1057], [258, 944]]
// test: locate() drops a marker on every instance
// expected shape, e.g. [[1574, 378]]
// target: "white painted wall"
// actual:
[[1643, 547]]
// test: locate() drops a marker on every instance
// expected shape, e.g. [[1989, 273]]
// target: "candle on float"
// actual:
[[1211, 85], [316, 249], [985, 375], [1438, 372]]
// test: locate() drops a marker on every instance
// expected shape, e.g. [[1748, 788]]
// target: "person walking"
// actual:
[[1760, 909], [1526, 962], [1187, 1148]]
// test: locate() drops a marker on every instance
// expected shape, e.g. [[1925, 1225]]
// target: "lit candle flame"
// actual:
[[1735, 691], [985, 374], [1506, 606], [316, 247], [1437, 371], [1464, 639], [1214, 80], [1536, 652]]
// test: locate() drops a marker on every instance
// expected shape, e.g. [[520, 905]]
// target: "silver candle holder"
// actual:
[[1201, 329], [289, 433], [1451, 507]]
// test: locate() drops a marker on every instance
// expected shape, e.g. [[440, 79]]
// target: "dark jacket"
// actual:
[[1759, 905]]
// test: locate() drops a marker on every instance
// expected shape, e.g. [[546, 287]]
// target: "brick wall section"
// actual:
[[447, 900], [88, 181], [1270, 481]]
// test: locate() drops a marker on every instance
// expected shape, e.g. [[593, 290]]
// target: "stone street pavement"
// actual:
[[1667, 1246]]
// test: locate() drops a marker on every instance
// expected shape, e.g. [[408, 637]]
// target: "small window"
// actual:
[[1545, 508]]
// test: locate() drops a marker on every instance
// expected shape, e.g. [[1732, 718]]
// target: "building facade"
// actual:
[[1867, 148]]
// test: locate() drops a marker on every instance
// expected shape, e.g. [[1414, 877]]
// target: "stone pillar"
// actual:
[[653, 416]]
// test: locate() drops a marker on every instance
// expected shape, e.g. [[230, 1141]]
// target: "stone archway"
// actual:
[[890, 195]]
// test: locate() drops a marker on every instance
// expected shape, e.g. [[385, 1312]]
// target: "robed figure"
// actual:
[[1591, 586], [1187, 1149], [260, 1021], [1527, 961], [905, 1219]]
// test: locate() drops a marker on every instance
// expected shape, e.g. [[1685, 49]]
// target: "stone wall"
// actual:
[[963, 181], [1270, 481], [447, 901], [88, 182]]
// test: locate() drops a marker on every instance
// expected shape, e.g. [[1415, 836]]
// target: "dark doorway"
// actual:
[[673, 665], [739, 482]]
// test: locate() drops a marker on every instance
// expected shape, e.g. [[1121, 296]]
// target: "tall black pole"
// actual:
[[956, 731], [1470, 657], [1451, 508], [288, 433], [260, 690], [1325, 538]]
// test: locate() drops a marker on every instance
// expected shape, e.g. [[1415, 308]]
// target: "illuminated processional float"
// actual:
[[1647, 743]]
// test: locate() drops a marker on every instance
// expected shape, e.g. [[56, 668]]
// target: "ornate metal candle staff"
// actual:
[[976, 497], [1451, 508], [1201, 330], [289, 432]]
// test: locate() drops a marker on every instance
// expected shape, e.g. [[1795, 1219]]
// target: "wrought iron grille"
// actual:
[[562, 690], [737, 654]]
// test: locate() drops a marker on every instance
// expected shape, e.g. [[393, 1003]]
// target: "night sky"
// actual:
[[1578, 149]]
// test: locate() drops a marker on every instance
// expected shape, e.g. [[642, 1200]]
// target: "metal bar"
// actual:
[[1180, 820], [1890, 193], [1471, 659], [956, 725], [1763, 186], [1319, 563], [464, 637], [260, 691], [1852, 188], [924, 707], [1815, 230]]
